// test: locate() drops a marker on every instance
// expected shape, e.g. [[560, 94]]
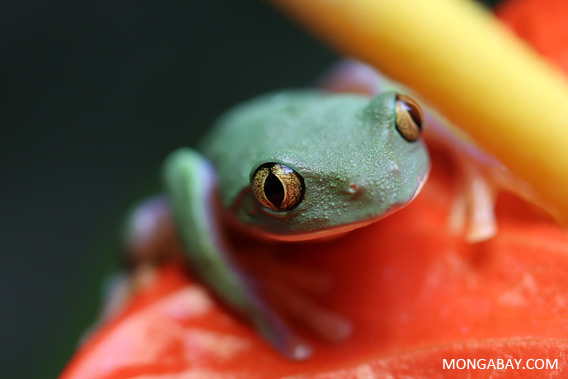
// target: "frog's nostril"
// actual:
[[355, 189], [393, 167]]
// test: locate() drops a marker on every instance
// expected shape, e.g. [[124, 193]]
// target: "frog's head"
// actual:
[[343, 165]]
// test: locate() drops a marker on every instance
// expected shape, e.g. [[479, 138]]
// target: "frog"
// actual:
[[288, 166]]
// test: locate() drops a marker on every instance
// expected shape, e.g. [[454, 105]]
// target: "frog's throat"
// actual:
[[326, 233], [421, 181], [319, 234]]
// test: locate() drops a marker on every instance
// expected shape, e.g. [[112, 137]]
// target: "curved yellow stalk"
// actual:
[[469, 67]]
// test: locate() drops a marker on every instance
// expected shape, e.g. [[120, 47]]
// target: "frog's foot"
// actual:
[[291, 289], [326, 324], [264, 318], [473, 211], [479, 180]]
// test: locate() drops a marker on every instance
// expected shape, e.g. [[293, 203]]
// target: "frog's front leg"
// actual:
[[192, 191]]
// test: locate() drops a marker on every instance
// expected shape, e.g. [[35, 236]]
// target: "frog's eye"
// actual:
[[277, 186], [408, 117]]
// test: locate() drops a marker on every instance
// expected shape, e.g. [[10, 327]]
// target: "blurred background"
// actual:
[[93, 97]]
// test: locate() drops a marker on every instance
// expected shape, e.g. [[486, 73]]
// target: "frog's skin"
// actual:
[[356, 168]]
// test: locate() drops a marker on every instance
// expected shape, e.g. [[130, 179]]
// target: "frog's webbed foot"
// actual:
[[295, 292], [326, 324], [192, 191], [479, 179], [473, 211]]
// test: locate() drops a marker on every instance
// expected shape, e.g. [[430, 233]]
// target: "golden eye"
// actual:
[[408, 117], [277, 186]]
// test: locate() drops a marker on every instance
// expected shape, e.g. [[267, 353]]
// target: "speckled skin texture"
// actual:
[[355, 164]]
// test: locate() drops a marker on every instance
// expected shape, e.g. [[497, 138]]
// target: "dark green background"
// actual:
[[93, 96]]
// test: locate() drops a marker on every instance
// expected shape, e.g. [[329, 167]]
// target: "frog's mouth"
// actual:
[[421, 181], [319, 234]]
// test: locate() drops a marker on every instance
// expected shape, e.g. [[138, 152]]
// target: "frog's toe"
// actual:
[[297, 350], [290, 289], [473, 211], [480, 231], [275, 329], [324, 323], [478, 185]]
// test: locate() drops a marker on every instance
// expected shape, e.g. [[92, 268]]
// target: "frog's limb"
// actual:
[[149, 239], [482, 178], [352, 76], [192, 191], [291, 288], [328, 325]]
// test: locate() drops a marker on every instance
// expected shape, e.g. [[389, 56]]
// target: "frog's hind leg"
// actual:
[[149, 240], [352, 76], [150, 237], [192, 190]]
